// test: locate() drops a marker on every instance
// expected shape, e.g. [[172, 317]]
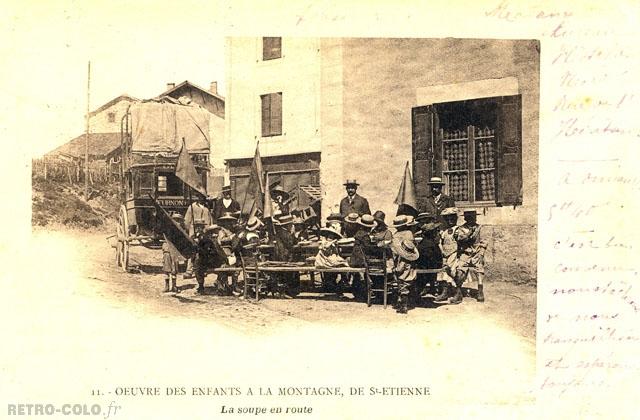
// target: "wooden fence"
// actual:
[[48, 168]]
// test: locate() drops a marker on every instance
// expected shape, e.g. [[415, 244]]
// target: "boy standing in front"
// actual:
[[471, 248]]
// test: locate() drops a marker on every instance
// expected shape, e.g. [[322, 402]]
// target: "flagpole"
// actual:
[[247, 189]]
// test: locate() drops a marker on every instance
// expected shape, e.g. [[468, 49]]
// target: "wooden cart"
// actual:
[[149, 171]]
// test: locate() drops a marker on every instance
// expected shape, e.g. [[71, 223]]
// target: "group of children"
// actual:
[[427, 241]]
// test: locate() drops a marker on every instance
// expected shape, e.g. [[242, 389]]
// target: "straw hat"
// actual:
[[352, 218], [330, 233], [449, 211], [211, 228], [405, 248], [351, 182], [253, 223], [435, 180], [367, 221], [228, 216], [403, 220], [226, 188], [470, 211], [425, 216]]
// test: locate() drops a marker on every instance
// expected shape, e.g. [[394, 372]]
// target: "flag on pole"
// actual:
[[406, 194], [256, 181], [267, 212], [186, 171]]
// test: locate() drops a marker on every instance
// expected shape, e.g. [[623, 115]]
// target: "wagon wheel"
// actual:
[[122, 235]]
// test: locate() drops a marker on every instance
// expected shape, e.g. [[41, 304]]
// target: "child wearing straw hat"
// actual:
[[471, 249], [405, 254]]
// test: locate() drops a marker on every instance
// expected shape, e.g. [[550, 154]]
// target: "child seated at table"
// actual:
[[328, 255]]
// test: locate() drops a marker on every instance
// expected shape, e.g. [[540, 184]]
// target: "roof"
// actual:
[[185, 83], [100, 145], [123, 97]]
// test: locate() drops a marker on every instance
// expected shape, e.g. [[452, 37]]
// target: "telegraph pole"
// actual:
[[86, 139]]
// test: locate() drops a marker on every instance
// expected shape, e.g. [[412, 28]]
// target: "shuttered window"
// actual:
[[474, 145], [271, 114], [271, 48]]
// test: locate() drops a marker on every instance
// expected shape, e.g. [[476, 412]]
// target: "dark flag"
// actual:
[[186, 171], [256, 182], [178, 237], [406, 198]]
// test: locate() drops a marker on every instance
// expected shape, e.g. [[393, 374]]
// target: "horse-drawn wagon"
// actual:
[[153, 134]]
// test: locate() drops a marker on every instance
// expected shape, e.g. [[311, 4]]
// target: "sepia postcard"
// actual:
[[306, 210]]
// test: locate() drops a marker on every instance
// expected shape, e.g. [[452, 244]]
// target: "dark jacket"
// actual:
[[430, 253], [361, 247], [220, 209], [430, 206], [358, 205]]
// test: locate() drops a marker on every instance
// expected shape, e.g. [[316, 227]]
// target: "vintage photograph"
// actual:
[[399, 172], [335, 181]]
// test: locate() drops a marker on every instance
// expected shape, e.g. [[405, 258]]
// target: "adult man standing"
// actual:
[[226, 204], [353, 203], [438, 201]]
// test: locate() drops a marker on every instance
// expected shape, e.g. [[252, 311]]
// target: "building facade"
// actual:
[[463, 109]]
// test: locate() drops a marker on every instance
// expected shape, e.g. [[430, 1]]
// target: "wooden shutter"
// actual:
[[271, 48], [509, 136], [276, 114], [422, 147], [266, 114]]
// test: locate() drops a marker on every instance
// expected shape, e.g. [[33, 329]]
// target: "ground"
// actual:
[[508, 304], [74, 314]]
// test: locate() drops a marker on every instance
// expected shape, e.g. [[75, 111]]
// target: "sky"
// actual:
[[134, 48]]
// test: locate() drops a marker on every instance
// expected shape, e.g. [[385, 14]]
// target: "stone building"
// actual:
[[330, 109]]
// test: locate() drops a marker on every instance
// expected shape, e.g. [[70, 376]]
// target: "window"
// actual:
[[474, 145], [271, 114], [112, 117], [169, 185], [271, 48]]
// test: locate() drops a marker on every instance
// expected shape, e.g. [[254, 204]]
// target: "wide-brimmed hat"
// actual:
[[405, 248], [471, 211], [279, 190], [367, 221], [424, 216], [352, 218], [428, 227], [379, 216], [435, 180], [403, 220], [226, 188], [253, 223], [335, 217], [177, 216], [449, 211], [330, 233], [227, 216], [351, 182], [283, 220], [211, 228]]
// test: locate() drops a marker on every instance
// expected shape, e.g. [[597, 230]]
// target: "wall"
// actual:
[[296, 75], [382, 79], [99, 123]]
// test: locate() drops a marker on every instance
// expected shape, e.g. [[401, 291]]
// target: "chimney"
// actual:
[[170, 86], [214, 88]]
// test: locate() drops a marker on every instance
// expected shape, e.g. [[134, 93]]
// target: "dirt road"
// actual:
[[74, 314], [510, 306]]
